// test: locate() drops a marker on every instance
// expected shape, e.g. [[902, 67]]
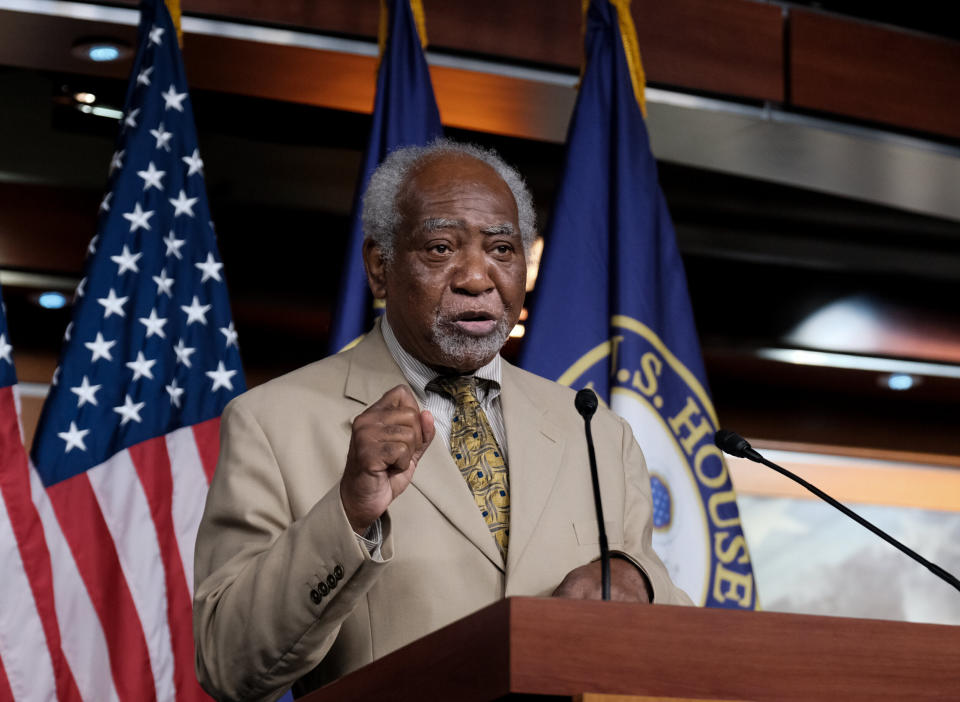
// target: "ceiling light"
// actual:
[[101, 50], [899, 381], [52, 300], [85, 98]]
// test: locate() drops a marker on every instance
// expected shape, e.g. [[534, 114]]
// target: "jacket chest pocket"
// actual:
[[589, 535]]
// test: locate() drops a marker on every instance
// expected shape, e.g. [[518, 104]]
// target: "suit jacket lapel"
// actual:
[[534, 450], [372, 372]]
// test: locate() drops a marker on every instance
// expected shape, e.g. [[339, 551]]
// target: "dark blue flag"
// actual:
[[128, 437], [612, 312], [404, 114]]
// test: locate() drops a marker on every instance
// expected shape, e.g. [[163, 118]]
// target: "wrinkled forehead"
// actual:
[[450, 181]]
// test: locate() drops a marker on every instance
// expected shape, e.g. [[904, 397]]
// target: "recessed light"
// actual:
[[85, 98], [52, 300], [899, 381], [101, 50]]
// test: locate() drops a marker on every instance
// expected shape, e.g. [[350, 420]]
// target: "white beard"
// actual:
[[458, 346]]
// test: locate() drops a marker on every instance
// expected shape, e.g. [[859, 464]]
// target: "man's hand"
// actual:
[[388, 440], [627, 583]]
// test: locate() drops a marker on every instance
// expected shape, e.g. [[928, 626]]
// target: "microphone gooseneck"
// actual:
[[732, 443], [586, 403]]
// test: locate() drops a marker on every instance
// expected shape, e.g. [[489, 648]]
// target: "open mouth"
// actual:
[[475, 323]]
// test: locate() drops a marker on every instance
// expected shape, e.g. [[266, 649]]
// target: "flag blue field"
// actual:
[[612, 312], [404, 114], [128, 437]]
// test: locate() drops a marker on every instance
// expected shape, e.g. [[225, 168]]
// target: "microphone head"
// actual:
[[586, 403], [731, 442]]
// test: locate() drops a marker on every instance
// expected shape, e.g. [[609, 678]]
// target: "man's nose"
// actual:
[[472, 274]]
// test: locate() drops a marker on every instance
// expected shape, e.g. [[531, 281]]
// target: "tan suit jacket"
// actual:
[[274, 526]]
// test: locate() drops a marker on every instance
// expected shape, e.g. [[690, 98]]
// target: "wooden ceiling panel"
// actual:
[[720, 46], [875, 73]]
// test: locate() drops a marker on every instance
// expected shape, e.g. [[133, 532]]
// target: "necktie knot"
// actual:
[[458, 387]]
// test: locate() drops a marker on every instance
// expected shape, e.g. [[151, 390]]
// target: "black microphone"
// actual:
[[734, 444], [586, 403]]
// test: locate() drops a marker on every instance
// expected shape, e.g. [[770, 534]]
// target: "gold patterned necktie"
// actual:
[[475, 451]]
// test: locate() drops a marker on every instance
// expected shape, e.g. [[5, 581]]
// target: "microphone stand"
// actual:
[[586, 404], [734, 444]]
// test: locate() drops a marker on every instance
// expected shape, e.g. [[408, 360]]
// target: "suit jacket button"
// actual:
[[338, 572], [331, 581], [315, 596], [323, 588]]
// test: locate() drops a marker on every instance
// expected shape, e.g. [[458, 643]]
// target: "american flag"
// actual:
[[100, 605]]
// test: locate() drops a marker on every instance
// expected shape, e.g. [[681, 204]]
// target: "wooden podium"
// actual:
[[550, 649]]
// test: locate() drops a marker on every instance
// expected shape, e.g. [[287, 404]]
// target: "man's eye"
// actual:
[[439, 248], [504, 249]]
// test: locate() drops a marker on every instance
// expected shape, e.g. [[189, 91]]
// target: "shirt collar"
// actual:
[[418, 374]]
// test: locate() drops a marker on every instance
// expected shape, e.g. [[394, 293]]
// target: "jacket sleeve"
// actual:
[[638, 523], [271, 591]]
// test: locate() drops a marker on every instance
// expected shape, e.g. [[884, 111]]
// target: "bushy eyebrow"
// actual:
[[436, 223], [505, 229]]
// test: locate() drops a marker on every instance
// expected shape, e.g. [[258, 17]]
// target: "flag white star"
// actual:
[[162, 137], [100, 347], [194, 163], [151, 177], [154, 324], [143, 77], [183, 353], [211, 269], [126, 261], [105, 202], [74, 438], [68, 332], [129, 410], [173, 245], [85, 393], [131, 119], [138, 218], [80, 286], [231, 335], [164, 284], [156, 35], [173, 99], [175, 393], [196, 312], [5, 349], [221, 377], [141, 367], [183, 204], [92, 246], [112, 304], [117, 161]]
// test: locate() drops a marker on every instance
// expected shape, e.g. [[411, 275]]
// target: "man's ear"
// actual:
[[376, 267]]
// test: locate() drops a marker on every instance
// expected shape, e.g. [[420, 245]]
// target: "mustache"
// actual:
[[473, 312]]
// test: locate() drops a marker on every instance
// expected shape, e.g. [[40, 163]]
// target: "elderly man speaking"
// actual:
[[377, 495]]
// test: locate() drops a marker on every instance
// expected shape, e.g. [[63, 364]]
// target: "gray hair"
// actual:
[[380, 216]]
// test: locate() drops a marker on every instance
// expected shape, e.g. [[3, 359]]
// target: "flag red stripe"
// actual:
[[28, 531], [207, 435], [5, 692], [153, 468], [86, 532]]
